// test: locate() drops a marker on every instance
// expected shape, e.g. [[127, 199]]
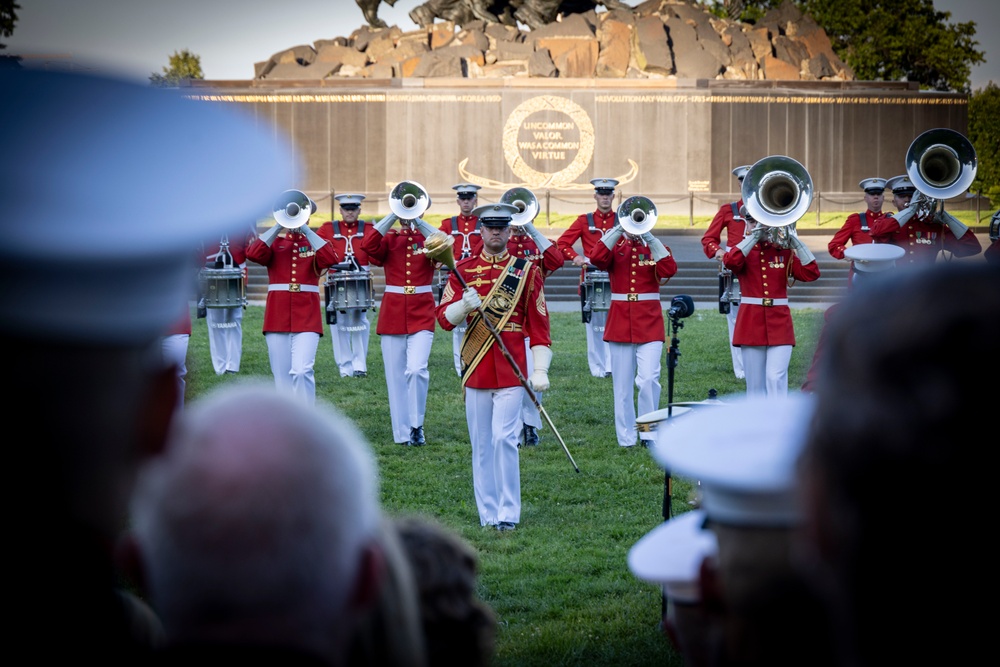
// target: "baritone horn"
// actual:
[[941, 163], [637, 215], [776, 192], [408, 200], [526, 203], [293, 208]]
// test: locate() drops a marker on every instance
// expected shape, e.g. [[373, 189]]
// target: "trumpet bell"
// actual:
[[293, 208], [408, 200], [637, 215], [526, 203], [941, 163], [777, 191]]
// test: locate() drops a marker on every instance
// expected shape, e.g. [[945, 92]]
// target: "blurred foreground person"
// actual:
[[459, 628], [118, 183], [898, 416], [752, 606], [260, 539]]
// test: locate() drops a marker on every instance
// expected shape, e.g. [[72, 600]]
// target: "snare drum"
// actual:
[[351, 290], [651, 421], [223, 288], [597, 291]]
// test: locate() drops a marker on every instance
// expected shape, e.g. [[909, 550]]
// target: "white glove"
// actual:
[[541, 357], [540, 241], [271, 234], [749, 242], [315, 240], [457, 311], [656, 247], [954, 224], [904, 216], [801, 251], [424, 227], [383, 225], [611, 236]]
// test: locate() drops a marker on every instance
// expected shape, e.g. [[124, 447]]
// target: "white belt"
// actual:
[[408, 289], [294, 287], [632, 296], [756, 301]]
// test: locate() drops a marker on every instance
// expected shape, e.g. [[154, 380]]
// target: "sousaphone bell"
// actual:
[[941, 163], [776, 192], [293, 208], [637, 215], [526, 203]]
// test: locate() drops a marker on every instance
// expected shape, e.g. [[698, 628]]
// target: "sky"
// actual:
[[135, 38]]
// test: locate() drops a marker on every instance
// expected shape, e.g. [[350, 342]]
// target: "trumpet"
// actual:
[[637, 215], [526, 203], [292, 209], [776, 192]]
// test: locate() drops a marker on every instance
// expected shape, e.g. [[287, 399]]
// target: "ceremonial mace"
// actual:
[[439, 248]]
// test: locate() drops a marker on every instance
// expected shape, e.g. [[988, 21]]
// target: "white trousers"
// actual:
[[598, 352], [175, 347], [293, 356], [634, 366], [350, 341], [494, 417], [406, 377], [735, 350], [225, 338], [457, 334], [529, 413], [767, 369]]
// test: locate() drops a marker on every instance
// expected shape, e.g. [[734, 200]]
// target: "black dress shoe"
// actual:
[[530, 436], [504, 526], [417, 436], [360, 374]]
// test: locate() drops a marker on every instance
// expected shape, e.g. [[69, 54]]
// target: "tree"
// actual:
[[183, 65], [984, 133], [886, 40], [8, 18]]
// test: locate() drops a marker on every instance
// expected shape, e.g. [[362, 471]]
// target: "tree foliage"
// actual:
[[8, 19], [183, 65], [984, 133], [886, 40]]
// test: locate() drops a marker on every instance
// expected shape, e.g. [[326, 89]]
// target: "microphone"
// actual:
[[681, 306]]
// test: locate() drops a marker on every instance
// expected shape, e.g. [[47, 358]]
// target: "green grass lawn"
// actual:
[[559, 584]]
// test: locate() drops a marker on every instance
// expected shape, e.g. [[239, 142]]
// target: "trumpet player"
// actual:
[[295, 257], [588, 229], [728, 220], [468, 242], [406, 317], [637, 264], [766, 262], [920, 228]]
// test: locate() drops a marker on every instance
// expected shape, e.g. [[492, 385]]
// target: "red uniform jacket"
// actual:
[[522, 245], [181, 326], [852, 232], [339, 238], [632, 270], [291, 261], [530, 318], [467, 236], [580, 230], [735, 229], [923, 240], [764, 274], [400, 254]]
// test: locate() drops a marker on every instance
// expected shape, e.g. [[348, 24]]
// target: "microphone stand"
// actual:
[[673, 353]]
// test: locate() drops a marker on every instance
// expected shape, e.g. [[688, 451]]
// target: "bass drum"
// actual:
[[223, 288]]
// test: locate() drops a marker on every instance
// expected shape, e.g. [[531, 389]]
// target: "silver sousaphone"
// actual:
[[637, 215], [941, 164], [293, 208], [525, 201], [777, 191]]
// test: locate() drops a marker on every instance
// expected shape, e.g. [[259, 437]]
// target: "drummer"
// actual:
[[349, 330], [637, 263], [588, 229]]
